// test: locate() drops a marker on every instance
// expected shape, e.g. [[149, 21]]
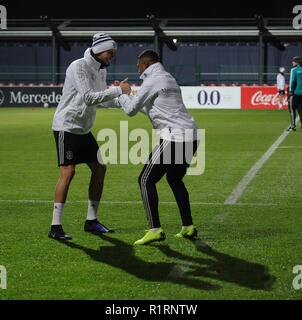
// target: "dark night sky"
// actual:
[[138, 9]]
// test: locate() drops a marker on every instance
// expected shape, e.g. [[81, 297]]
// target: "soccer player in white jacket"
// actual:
[[84, 90], [160, 98], [281, 87]]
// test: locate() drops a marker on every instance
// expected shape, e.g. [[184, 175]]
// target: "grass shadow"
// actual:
[[224, 267], [122, 256], [215, 266]]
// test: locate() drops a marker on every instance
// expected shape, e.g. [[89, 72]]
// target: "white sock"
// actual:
[[92, 209], [155, 229], [57, 213], [186, 227]]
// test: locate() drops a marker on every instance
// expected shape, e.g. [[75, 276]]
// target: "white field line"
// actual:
[[250, 175], [289, 147], [41, 201]]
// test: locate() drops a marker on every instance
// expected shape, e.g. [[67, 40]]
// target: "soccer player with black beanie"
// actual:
[[159, 97], [84, 90]]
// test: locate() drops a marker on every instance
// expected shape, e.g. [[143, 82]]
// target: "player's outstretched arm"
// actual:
[[145, 98], [81, 82]]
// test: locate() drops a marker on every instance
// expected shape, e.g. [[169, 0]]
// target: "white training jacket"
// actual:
[[160, 98], [84, 90], [280, 82]]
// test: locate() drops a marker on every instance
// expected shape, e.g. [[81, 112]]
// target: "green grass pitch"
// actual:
[[252, 245]]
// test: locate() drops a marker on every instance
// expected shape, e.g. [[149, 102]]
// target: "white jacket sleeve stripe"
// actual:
[[145, 98], [81, 83]]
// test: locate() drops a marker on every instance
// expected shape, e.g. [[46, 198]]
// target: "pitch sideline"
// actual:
[[107, 202], [250, 175]]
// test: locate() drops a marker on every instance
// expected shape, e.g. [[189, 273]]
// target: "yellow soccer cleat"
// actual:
[[187, 232], [151, 236]]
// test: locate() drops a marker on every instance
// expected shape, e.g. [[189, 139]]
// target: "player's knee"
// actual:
[[140, 179], [143, 180], [173, 179], [67, 173], [99, 171], [170, 179], [147, 181]]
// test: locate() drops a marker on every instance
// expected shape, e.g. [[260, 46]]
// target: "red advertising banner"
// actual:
[[261, 98]]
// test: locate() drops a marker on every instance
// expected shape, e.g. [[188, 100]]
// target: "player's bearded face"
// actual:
[[107, 56]]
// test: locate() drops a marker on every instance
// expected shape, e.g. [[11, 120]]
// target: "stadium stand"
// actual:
[[209, 51]]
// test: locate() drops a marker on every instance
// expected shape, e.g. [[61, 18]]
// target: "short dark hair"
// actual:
[[297, 59], [151, 55]]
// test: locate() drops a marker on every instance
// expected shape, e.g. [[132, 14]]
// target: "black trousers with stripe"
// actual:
[[294, 106], [171, 159]]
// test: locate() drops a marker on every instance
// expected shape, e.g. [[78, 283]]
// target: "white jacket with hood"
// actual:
[[159, 97], [84, 90]]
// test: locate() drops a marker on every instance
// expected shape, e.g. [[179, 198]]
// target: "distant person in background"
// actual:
[[84, 90], [295, 92], [281, 87]]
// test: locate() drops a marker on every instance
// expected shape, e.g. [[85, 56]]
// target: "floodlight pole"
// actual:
[[56, 38], [54, 59], [262, 31], [261, 58], [49, 24], [156, 42], [158, 46], [157, 39], [160, 37], [265, 36]]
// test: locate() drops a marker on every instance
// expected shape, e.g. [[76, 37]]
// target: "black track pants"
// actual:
[[171, 159]]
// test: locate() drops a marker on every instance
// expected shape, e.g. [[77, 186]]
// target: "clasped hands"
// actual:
[[124, 85]]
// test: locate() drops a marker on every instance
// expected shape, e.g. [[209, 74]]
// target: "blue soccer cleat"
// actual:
[[94, 226]]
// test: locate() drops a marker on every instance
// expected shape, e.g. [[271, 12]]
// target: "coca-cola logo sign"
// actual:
[[267, 99], [261, 98]]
